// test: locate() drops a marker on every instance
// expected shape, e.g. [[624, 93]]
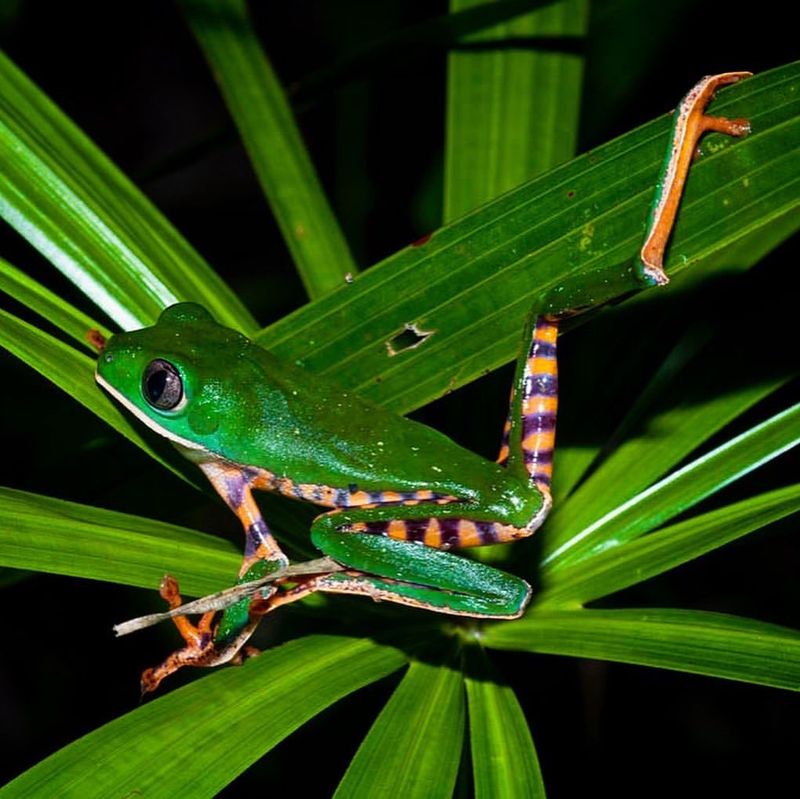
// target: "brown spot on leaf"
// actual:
[[96, 339]]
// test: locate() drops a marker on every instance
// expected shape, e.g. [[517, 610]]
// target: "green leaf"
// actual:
[[51, 535], [48, 305], [683, 640], [262, 114], [635, 355], [681, 490], [565, 240], [414, 746], [504, 761], [512, 102], [395, 49], [73, 205], [213, 729], [659, 552], [71, 371], [681, 409]]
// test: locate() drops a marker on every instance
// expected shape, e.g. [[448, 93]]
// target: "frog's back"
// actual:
[[311, 430]]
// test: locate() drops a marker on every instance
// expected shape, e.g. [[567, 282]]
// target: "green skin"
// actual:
[[244, 407], [241, 408]]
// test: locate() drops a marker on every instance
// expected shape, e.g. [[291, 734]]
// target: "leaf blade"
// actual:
[[504, 760], [680, 417], [667, 549], [52, 535], [680, 490], [72, 204], [476, 275], [261, 112], [699, 642], [512, 111], [49, 305], [422, 723], [237, 716], [72, 372]]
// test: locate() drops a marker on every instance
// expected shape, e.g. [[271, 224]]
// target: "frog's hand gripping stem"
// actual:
[[200, 649], [689, 124]]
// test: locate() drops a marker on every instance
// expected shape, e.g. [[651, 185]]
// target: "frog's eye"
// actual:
[[162, 385]]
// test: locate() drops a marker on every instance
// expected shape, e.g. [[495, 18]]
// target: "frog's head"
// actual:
[[175, 375]]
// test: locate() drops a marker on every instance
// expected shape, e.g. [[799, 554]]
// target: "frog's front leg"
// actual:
[[234, 484], [207, 645], [201, 648]]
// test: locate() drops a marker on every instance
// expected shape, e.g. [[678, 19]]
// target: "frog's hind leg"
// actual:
[[389, 570], [535, 433], [529, 435], [690, 123]]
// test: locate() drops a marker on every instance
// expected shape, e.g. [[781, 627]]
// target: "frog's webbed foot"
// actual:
[[201, 649]]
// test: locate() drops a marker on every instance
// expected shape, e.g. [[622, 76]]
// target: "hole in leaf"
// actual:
[[409, 338]]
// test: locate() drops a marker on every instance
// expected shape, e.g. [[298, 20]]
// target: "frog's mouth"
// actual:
[[144, 418]]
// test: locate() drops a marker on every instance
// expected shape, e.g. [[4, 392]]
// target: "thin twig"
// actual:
[[229, 596]]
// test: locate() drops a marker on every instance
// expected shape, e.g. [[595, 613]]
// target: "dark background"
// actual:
[[130, 75]]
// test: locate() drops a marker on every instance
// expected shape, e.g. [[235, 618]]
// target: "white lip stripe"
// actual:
[[143, 417]]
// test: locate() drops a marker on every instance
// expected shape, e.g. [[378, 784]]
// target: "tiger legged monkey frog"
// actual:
[[398, 495]]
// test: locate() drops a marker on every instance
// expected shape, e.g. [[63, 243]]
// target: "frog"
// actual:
[[397, 496]]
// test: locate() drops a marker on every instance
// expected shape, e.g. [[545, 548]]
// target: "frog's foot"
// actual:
[[691, 122], [200, 649]]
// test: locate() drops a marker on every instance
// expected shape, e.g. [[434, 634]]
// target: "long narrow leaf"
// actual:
[[634, 356], [51, 535], [49, 305], [393, 51], [212, 729], [683, 640], [681, 490], [504, 761], [71, 371], [73, 204], [565, 240], [659, 552], [414, 746], [686, 422], [512, 102], [262, 114]]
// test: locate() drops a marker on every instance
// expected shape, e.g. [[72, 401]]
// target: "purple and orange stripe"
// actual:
[[540, 402]]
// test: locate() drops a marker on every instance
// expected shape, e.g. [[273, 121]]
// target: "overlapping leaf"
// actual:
[[73, 204]]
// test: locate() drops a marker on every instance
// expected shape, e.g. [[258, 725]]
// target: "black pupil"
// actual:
[[162, 385]]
